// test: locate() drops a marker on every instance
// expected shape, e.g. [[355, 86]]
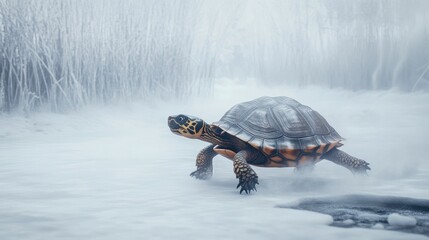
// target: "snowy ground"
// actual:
[[118, 173]]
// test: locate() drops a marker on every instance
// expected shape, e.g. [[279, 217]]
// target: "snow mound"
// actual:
[[396, 219], [348, 222], [378, 226]]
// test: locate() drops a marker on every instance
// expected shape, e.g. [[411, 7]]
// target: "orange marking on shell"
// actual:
[[276, 159], [275, 164], [332, 145], [310, 148], [290, 154], [269, 150], [269, 147], [320, 150]]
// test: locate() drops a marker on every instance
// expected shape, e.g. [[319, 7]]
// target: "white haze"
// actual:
[[64, 54], [118, 172]]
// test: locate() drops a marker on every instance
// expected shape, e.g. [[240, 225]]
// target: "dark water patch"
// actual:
[[369, 211]]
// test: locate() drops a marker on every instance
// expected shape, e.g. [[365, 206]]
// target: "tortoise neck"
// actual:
[[212, 136]]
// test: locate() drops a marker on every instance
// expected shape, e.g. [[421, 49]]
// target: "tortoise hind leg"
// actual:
[[341, 158], [205, 163]]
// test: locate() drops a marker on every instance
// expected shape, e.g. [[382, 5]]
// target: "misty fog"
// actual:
[[86, 88]]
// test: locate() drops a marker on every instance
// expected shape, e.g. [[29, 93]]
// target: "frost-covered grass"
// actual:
[[65, 54], [118, 172]]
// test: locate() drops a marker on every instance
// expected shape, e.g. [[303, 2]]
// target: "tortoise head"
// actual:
[[185, 125]]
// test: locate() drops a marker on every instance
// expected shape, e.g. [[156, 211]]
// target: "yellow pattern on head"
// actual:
[[189, 129]]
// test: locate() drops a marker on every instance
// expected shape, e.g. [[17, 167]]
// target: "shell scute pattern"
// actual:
[[280, 127]]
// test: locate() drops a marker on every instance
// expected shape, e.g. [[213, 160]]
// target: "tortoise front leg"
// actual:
[[205, 163], [245, 174]]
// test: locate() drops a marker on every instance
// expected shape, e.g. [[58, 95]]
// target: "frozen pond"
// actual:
[[370, 211], [118, 173]]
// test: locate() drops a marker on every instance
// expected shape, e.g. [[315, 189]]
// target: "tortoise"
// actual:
[[265, 132]]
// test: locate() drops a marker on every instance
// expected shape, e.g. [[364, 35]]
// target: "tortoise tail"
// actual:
[[341, 158]]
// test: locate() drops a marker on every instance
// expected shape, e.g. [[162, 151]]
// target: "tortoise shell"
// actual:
[[286, 131]]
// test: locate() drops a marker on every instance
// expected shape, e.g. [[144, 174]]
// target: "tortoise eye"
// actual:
[[180, 119]]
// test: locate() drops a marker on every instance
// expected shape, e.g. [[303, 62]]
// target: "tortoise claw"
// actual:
[[248, 183], [361, 169]]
